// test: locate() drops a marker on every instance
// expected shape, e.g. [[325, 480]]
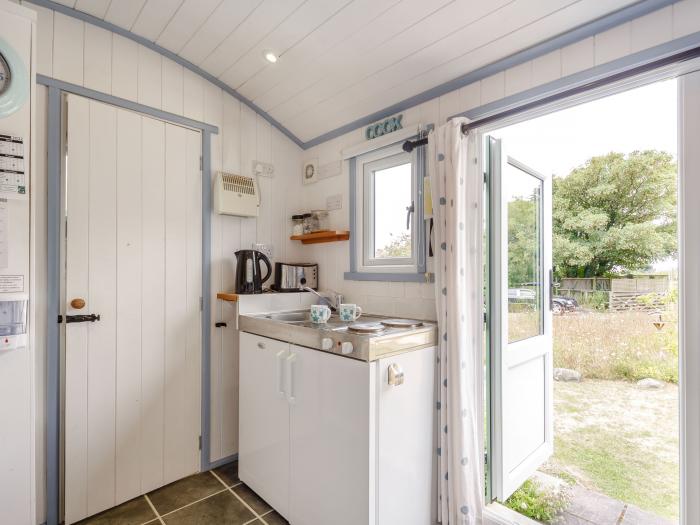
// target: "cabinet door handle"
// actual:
[[396, 376], [278, 372], [290, 378]]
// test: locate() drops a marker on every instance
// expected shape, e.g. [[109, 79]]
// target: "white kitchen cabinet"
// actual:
[[263, 456], [326, 439], [330, 439], [406, 458]]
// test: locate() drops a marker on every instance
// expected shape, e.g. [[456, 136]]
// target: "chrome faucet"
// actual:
[[333, 305]]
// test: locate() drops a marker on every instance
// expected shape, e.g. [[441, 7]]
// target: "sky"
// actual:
[[639, 119], [643, 118]]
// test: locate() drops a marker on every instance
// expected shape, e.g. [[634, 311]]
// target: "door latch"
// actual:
[[90, 318]]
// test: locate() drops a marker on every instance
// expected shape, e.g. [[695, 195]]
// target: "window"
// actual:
[[387, 215]]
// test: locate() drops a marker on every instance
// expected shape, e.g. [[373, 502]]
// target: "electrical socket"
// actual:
[[334, 202], [263, 248], [263, 169]]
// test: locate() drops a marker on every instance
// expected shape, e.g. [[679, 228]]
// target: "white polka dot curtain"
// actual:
[[457, 194]]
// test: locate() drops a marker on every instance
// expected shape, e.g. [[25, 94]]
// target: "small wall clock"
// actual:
[[14, 80]]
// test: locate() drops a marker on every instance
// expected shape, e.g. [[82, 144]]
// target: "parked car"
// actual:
[[562, 304]]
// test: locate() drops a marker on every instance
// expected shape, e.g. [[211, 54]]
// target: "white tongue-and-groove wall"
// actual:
[[81, 53], [417, 299]]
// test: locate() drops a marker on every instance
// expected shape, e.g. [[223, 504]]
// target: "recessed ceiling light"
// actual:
[[270, 57]]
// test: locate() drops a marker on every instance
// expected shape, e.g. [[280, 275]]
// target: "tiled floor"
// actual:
[[211, 498]]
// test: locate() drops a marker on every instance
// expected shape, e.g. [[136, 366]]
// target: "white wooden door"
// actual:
[[263, 454], [330, 400], [521, 337], [133, 254]]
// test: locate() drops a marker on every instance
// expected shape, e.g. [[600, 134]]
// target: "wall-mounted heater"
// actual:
[[236, 195]]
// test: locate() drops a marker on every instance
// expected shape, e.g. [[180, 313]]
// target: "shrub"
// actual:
[[536, 502]]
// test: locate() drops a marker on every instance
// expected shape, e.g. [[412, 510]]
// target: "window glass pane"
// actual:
[[523, 194], [392, 195]]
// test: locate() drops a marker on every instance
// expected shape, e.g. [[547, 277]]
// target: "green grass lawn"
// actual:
[[618, 440]]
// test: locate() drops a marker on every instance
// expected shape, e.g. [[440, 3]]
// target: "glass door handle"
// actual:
[[551, 290], [409, 210]]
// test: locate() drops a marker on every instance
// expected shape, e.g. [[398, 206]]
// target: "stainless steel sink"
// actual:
[[289, 317]]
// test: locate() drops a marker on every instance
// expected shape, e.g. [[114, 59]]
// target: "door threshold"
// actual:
[[497, 514]]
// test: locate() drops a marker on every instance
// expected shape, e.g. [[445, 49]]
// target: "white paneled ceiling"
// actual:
[[341, 60]]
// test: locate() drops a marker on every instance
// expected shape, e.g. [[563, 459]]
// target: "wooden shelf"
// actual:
[[327, 236], [227, 296]]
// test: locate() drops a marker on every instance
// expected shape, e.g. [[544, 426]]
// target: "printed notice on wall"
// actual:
[[11, 283], [12, 175]]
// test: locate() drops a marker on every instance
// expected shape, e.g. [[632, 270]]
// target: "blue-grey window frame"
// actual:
[[420, 274]]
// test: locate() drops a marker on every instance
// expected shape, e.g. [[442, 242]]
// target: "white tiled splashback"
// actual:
[[414, 300]]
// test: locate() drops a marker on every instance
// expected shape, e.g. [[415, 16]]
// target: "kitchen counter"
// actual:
[[336, 336]]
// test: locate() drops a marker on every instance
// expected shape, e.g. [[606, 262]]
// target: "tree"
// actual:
[[399, 246], [615, 214]]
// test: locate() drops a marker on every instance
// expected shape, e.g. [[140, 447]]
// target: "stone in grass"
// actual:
[[566, 374], [650, 384]]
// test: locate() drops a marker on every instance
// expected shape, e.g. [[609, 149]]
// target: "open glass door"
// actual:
[[521, 321]]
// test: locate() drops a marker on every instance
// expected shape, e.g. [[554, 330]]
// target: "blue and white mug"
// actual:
[[320, 313], [349, 312]]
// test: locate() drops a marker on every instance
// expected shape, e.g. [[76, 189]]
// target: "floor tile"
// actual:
[[251, 498], [133, 512], [222, 509], [184, 491], [274, 519], [228, 473]]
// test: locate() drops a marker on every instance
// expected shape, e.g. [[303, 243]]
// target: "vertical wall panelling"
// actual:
[[129, 306], [67, 48], [101, 365], [172, 83], [124, 67], [44, 40], [652, 29], [98, 58], [175, 300], [150, 72], [578, 57], [193, 95], [547, 67], [153, 314], [493, 88], [613, 43]]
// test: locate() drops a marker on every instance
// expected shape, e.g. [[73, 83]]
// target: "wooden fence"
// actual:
[[623, 293]]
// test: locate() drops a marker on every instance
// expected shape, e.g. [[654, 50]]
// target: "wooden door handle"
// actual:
[[77, 303]]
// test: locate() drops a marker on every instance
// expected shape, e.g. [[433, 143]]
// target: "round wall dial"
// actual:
[[5, 75], [14, 80]]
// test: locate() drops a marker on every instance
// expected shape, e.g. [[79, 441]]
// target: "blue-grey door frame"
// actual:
[[56, 88]]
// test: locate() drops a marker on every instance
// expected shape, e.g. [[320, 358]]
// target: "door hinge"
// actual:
[[201, 304], [201, 163], [486, 177], [486, 318], [486, 458], [200, 442]]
